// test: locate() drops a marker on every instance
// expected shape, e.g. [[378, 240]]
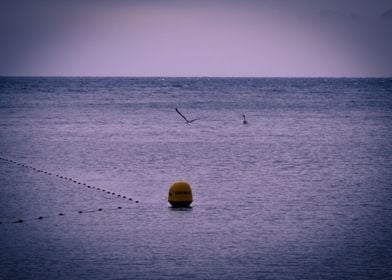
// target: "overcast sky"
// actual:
[[265, 38]]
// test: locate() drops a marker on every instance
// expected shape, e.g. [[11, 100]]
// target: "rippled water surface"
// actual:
[[303, 191]]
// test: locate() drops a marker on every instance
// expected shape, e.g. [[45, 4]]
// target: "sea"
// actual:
[[303, 190]]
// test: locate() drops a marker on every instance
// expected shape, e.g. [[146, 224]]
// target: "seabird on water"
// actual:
[[244, 121]]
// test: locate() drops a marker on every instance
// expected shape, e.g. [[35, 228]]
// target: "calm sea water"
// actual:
[[303, 191]]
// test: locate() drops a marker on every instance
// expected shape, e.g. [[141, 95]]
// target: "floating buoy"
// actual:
[[180, 195]]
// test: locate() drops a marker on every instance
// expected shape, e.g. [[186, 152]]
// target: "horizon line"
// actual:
[[199, 77]]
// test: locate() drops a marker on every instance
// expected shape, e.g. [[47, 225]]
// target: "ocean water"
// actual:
[[303, 191]]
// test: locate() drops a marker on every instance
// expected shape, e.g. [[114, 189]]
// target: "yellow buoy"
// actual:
[[180, 194]]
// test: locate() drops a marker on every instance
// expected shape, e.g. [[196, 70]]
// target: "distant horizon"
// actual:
[[207, 77]]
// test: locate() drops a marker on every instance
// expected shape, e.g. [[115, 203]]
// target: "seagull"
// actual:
[[187, 121], [244, 121]]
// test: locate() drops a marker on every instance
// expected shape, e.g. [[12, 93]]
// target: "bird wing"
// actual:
[[195, 119], [181, 115]]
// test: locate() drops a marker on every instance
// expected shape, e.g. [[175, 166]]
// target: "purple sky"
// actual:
[[265, 38]]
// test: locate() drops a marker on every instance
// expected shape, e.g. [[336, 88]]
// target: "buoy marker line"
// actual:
[[72, 180], [87, 211]]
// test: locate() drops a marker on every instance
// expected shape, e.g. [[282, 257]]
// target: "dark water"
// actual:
[[302, 192]]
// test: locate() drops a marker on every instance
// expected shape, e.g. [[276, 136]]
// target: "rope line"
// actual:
[[88, 211], [68, 178], [72, 180]]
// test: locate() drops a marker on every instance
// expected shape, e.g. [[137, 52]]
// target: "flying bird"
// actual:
[[186, 120]]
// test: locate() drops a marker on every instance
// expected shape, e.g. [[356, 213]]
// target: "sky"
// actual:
[[186, 38]]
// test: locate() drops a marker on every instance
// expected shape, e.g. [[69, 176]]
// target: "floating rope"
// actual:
[[67, 178], [77, 182], [19, 221]]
